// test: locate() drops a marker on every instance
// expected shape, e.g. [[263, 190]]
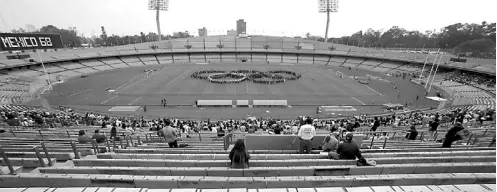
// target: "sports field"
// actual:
[[319, 86]]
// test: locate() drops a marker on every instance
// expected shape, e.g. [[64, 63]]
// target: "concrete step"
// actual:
[[273, 163], [27, 162], [182, 151], [189, 143], [402, 188], [4, 170], [58, 155], [83, 151], [289, 156], [168, 182], [337, 170]]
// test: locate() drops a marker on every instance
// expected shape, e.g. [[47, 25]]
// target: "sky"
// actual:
[[269, 17]]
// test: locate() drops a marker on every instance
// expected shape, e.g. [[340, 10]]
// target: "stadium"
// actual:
[[207, 88]]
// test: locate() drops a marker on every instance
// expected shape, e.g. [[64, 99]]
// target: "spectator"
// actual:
[[220, 132], [330, 143], [170, 134], [376, 124], [433, 128], [348, 149], [99, 138], [453, 135], [277, 130], [239, 157], [82, 138], [412, 133], [295, 129], [306, 134], [113, 133]]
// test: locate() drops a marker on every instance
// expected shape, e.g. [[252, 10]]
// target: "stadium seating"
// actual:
[[141, 161], [203, 165]]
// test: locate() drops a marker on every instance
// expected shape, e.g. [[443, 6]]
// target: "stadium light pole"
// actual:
[[431, 70], [327, 20], [421, 74], [436, 69], [327, 6], [158, 5]]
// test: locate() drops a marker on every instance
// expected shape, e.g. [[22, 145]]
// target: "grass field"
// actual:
[[318, 86]]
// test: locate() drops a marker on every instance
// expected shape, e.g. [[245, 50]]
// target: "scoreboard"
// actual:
[[29, 41]]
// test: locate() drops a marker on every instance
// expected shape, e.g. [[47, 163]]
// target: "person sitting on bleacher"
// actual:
[[330, 143], [349, 149], [99, 138], [412, 133], [277, 130], [239, 156], [82, 138]]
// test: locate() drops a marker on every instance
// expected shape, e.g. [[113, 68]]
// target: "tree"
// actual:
[[476, 48], [449, 37], [69, 36], [20, 30]]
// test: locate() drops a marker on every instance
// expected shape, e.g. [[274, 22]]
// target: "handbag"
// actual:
[[364, 162]]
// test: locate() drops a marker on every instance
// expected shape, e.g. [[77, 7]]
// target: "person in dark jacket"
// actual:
[[433, 127], [376, 124], [99, 138], [452, 135], [412, 133], [277, 130], [82, 138], [348, 149], [113, 133], [239, 156]]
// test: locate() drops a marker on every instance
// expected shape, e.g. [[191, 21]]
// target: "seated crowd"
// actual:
[[470, 78]]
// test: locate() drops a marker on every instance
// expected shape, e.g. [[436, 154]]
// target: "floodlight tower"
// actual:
[[158, 5], [327, 6]]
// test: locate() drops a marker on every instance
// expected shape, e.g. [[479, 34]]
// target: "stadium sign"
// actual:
[[29, 41]]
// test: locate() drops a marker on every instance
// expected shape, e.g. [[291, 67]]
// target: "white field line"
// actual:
[[358, 101], [72, 95], [178, 77], [127, 83], [108, 100], [373, 90], [135, 100]]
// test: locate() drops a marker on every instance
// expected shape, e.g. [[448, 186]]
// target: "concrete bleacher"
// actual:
[[389, 65], [111, 61], [203, 164], [427, 188], [92, 63], [380, 69], [467, 95]]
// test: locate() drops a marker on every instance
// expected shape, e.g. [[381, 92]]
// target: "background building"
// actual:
[[241, 27], [202, 32], [185, 34], [231, 32]]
